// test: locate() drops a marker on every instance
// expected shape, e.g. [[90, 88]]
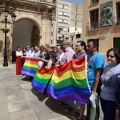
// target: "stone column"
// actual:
[[46, 32]]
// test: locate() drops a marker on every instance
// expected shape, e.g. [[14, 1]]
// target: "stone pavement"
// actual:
[[18, 101]]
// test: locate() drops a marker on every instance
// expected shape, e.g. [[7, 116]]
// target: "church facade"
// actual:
[[32, 25]]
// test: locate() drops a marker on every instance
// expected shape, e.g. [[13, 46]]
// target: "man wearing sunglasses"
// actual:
[[94, 70]]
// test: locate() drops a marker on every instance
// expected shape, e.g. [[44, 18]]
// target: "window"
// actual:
[[92, 2], [60, 13], [94, 19], [118, 14], [60, 20], [116, 42], [60, 6], [59, 29], [65, 21], [51, 33], [65, 29], [78, 35], [65, 7], [65, 14]]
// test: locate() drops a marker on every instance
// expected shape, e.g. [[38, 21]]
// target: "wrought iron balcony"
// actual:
[[92, 25]]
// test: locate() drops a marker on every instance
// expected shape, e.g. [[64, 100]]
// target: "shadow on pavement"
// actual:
[[58, 108], [53, 105], [40, 96], [27, 79]]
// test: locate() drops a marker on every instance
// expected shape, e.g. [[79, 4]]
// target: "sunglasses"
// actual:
[[111, 56]]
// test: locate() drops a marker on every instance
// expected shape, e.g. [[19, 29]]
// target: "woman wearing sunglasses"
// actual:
[[110, 80]]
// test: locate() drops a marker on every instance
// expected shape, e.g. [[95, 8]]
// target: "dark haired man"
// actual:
[[94, 70]]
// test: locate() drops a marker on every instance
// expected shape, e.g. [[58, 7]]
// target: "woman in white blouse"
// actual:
[[18, 61]]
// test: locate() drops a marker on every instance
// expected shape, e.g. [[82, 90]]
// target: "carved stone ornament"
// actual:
[[106, 14]]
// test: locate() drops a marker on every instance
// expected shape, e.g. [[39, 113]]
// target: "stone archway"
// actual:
[[25, 32]]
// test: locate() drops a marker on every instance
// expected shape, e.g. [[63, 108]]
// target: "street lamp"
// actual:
[[6, 30]]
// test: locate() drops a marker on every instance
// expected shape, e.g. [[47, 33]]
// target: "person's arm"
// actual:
[[49, 64], [118, 92], [99, 63], [43, 60], [16, 54], [97, 78]]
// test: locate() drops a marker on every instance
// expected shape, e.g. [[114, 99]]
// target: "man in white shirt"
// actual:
[[28, 51]]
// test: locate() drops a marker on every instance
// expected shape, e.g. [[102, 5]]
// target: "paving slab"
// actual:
[[19, 101], [18, 106], [24, 115], [2, 85]]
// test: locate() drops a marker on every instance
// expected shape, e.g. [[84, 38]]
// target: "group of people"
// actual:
[[26, 52], [104, 80]]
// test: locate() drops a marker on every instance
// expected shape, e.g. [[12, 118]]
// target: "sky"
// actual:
[[74, 1]]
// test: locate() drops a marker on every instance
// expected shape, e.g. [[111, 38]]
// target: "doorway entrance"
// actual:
[[116, 42], [25, 32]]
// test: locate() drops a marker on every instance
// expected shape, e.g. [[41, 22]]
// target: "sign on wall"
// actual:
[[106, 14]]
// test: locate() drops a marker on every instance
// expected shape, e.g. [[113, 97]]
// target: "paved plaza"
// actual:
[[18, 101]]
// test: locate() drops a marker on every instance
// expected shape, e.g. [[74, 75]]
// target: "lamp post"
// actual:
[[6, 30]]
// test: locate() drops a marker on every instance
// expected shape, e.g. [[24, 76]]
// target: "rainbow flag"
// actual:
[[30, 66], [42, 78], [69, 82], [66, 82]]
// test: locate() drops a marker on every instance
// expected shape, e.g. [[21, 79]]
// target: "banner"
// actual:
[[30, 66], [66, 82], [42, 78]]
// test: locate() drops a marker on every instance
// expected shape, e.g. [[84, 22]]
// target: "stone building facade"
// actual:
[[37, 13], [101, 22]]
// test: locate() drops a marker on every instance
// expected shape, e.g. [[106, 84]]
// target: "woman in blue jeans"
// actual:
[[110, 80]]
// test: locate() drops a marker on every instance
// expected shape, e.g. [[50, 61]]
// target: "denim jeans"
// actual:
[[109, 109]]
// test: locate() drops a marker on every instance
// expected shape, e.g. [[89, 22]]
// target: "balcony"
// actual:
[[94, 2], [92, 25], [117, 20]]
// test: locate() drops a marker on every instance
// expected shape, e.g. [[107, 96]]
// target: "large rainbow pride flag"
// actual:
[[30, 66], [66, 82], [42, 78]]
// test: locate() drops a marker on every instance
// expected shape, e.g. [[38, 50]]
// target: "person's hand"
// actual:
[[39, 59], [57, 64], [93, 92]]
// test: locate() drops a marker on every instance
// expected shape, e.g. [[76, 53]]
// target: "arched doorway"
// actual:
[[25, 32]]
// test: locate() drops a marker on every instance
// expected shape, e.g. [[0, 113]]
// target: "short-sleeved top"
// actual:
[[28, 52], [37, 54], [109, 84], [118, 91], [67, 57], [81, 55], [31, 54], [19, 53], [94, 62]]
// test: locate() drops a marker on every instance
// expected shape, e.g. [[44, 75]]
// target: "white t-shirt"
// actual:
[[31, 55], [19, 53]]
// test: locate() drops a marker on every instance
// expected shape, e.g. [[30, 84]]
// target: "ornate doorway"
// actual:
[[25, 32]]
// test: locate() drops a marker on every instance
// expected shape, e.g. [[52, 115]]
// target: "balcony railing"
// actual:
[[93, 2], [92, 25], [116, 20], [96, 25], [39, 1]]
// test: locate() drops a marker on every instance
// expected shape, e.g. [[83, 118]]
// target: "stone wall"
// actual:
[[104, 34], [27, 11]]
